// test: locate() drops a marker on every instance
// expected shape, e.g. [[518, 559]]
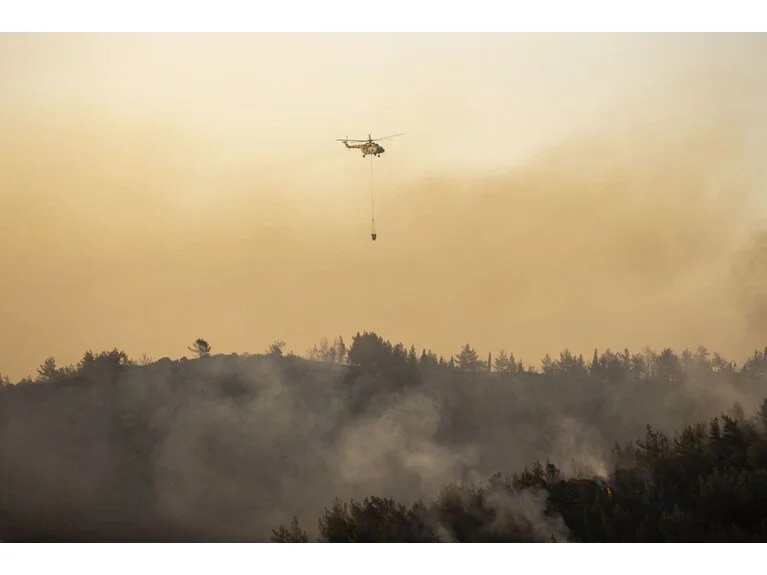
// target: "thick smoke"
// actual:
[[227, 448], [640, 233]]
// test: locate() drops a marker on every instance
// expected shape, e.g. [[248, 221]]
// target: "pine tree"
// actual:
[[200, 348], [47, 371], [501, 362], [293, 534]]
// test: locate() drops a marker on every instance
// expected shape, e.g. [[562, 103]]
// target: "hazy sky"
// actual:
[[551, 191]]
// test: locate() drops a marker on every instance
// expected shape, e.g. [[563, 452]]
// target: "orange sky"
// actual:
[[551, 191]]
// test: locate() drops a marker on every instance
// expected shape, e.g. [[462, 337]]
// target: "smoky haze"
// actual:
[[548, 192], [631, 234], [639, 224]]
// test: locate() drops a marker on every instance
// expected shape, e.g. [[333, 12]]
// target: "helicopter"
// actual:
[[368, 147]]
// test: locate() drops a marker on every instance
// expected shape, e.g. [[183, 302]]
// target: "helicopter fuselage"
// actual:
[[368, 148]]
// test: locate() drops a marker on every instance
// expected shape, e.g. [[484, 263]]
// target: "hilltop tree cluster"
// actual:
[[371, 353], [334, 352]]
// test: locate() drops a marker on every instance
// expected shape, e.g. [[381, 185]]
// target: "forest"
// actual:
[[377, 442]]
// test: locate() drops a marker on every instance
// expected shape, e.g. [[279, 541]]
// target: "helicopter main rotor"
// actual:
[[370, 139]]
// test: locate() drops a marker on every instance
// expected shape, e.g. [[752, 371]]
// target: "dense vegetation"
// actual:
[[377, 442], [708, 483]]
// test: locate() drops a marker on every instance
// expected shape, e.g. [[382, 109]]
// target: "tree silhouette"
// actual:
[[374, 520], [200, 348], [370, 352], [47, 371], [341, 350], [335, 352], [292, 534], [428, 359], [276, 348], [105, 363], [468, 359], [506, 364]]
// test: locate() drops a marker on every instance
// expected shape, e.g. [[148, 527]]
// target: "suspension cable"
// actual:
[[372, 204]]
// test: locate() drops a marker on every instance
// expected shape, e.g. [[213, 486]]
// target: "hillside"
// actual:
[[228, 447]]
